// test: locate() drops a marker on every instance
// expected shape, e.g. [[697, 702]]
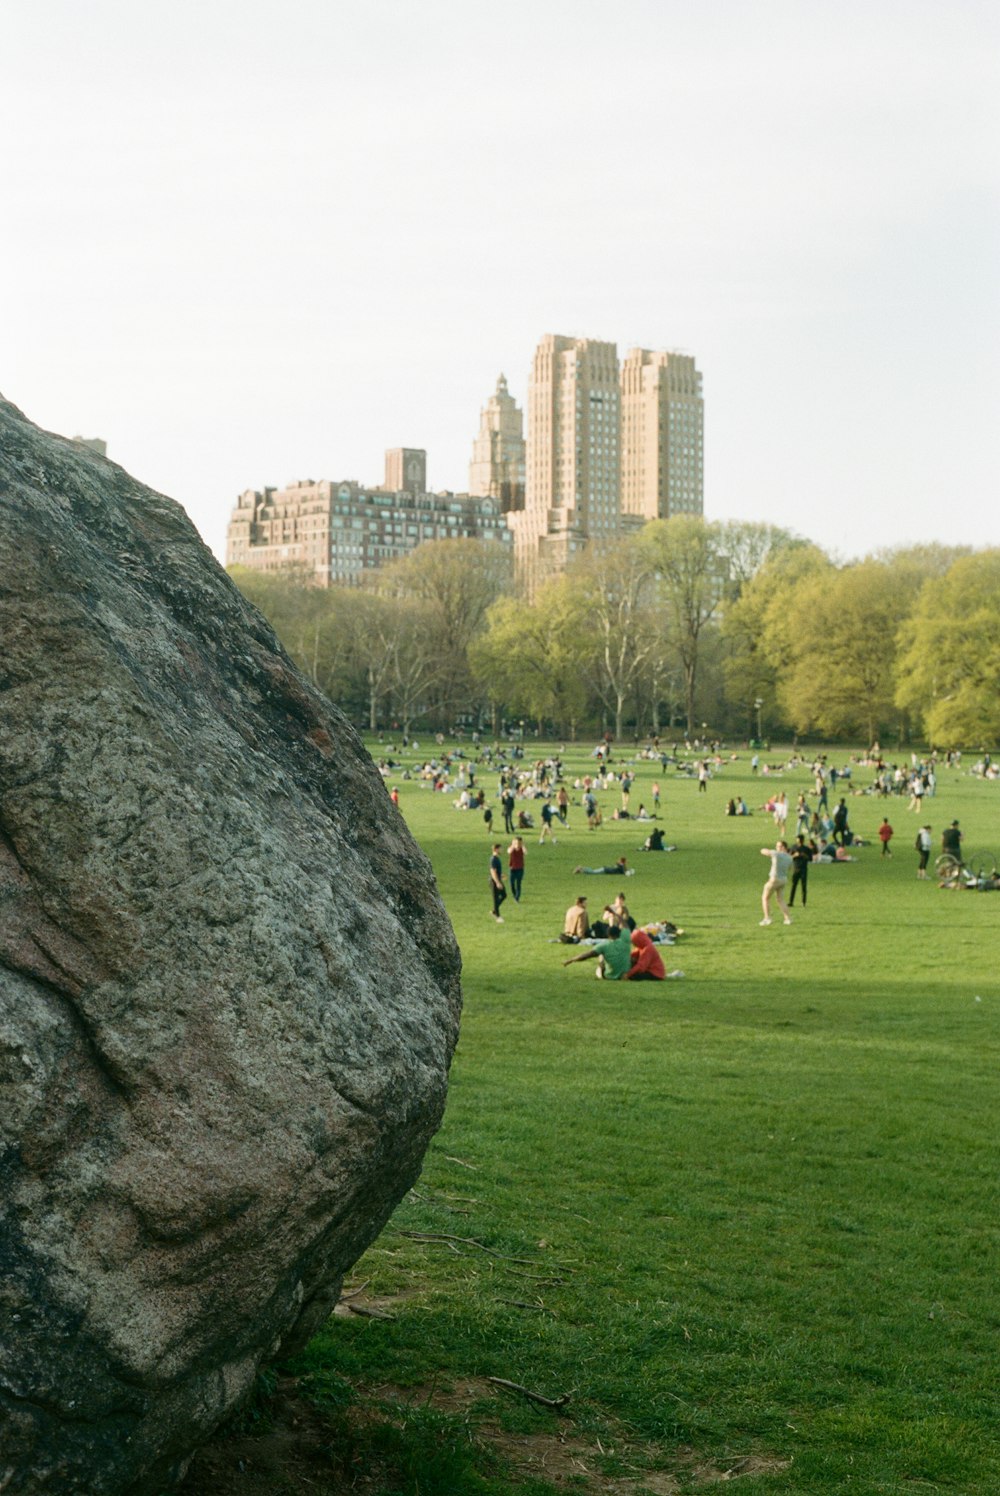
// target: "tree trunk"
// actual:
[[372, 703], [689, 680]]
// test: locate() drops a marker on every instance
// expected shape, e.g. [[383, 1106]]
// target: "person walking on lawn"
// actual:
[[497, 889]]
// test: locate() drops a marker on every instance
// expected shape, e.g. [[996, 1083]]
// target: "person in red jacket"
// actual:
[[885, 836], [647, 963]]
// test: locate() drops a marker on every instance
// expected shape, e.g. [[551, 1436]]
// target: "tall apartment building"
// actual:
[[337, 531], [406, 470], [497, 466], [571, 494], [662, 445]]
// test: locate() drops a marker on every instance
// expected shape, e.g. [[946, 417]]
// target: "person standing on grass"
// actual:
[[840, 822], [507, 802], [614, 956], [515, 866], [703, 777], [497, 889], [781, 812], [801, 815], [801, 855], [655, 792], [780, 863], [951, 841], [923, 850], [548, 816], [885, 834]]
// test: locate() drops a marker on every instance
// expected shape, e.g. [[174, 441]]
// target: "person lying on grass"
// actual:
[[621, 867]]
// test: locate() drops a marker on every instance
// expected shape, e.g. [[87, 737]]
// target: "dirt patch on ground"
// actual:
[[294, 1450]]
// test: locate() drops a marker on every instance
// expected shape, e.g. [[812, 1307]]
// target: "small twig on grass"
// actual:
[[554, 1403], [353, 1294], [520, 1304], [465, 1241], [368, 1312], [453, 1160]]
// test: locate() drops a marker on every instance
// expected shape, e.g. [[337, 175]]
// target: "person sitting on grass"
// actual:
[[620, 867], [614, 955], [618, 909], [576, 925], [647, 963], [654, 841]]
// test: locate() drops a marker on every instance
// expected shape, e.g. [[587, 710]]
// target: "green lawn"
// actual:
[[750, 1213]]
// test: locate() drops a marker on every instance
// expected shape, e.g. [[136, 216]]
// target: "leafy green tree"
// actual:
[[759, 632], [949, 665], [841, 677], [529, 661]]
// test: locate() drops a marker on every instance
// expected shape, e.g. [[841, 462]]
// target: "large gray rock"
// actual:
[[229, 993]]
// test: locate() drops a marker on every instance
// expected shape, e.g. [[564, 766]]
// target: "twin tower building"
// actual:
[[608, 446]]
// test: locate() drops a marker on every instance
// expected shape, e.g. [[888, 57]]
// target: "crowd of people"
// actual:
[[533, 795]]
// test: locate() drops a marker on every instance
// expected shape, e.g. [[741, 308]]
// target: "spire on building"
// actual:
[[497, 467]]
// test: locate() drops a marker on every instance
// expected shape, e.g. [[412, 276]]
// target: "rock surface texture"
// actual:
[[229, 993]]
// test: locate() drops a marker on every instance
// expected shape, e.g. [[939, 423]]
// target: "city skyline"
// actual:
[[238, 260]]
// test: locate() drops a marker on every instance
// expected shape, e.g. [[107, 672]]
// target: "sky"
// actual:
[[248, 243]]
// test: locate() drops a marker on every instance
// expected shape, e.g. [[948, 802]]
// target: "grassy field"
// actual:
[[747, 1219]]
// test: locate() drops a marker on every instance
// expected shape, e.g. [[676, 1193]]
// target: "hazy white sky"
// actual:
[[257, 241]]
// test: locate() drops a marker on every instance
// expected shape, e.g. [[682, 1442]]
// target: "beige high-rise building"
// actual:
[[662, 419], [406, 470], [571, 492], [497, 466]]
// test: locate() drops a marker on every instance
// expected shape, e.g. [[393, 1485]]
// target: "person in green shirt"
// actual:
[[615, 955]]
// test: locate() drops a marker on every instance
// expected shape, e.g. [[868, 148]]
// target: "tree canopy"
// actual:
[[733, 624]]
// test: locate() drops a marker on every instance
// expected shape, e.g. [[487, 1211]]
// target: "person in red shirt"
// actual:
[[647, 963], [515, 866], [885, 836]]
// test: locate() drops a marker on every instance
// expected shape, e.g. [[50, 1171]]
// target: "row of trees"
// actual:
[[737, 627]]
